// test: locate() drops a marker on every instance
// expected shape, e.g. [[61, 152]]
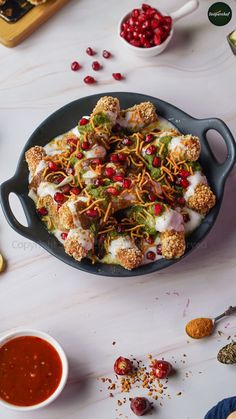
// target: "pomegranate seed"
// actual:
[[181, 201], [109, 172], [184, 183], [80, 155], [151, 197], [42, 212], [117, 76], [154, 23], [146, 24], [53, 166], [127, 183], [167, 20], [98, 182], [92, 213], [157, 39], [131, 21], [72, 141], [186, 218], [123, 366], [136, 35], [96, 66], [158, 209], [113, 191], [121, 157], [83, 121], [161, 369], [151, 150], [150, 255], [65, 189], [148, 138], [59, 197], [135, 13], [114, 158], [118, 178], [75, 66], [89, 80], [127, 141], [145, 7], [159, 250], [184, 173], [135, 43], [58, 179], [140, 406], [90, 51], [85, 145], [123, 34], [156, 161], [64, 236], [75, 190], [150, 239], [158, 16], [146, 44], [96, 161], [106, 54]]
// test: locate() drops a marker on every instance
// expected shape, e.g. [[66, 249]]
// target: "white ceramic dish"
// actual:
[[185, 10], [31, 332]]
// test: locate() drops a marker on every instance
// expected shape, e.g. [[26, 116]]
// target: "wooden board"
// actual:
[[12, 34]]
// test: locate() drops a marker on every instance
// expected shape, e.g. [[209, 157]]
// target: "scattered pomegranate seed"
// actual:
[[96, 66], [152, 197], [92, 213], [83, 121], [161, 369], [118, 178], [159, 250], [184, 173], [96, 161], [151, 150], [123, 366], [65, 189], [140, 406], [42, 212], [72, 141], [186, 218], [109, 172], [85, 145], [184, 183], [89, 80], [148, 138], [90, 51], [117, 76], [127, 141], [181, 201], [98, 182], [150, 255], [75, 190], [53, 166], [64, 236], [113, 191], [127, 183], [59, 197], [149, 239], [121, 157], [80, 155], [106, 54], [58, 180], [75, 66], [156, 161], [114, 158], [158, 209]]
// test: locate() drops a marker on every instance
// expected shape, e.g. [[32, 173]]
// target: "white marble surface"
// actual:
[[143, 314]]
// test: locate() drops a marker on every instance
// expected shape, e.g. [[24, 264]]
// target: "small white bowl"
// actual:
[[144, 52], [31, 332]]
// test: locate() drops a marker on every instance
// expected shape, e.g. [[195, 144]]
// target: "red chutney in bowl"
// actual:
[[30, 370]]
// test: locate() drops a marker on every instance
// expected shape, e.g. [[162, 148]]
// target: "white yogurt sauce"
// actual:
[[45, 189], [88, 176], [194, 222], [51, 149], [96, 151], [122, 242], [41, 166], [83, 237], [194, 180], [176, 144], [33, 195], [169, 220]]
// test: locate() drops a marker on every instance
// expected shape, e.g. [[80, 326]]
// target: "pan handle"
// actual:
[[5, 190]]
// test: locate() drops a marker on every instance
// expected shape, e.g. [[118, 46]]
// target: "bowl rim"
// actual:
[[60, 121], [18, 332]]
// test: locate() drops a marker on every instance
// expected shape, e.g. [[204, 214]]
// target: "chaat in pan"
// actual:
[[123, 187]]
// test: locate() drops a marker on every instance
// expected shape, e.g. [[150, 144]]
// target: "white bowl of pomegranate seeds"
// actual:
[[146, 31]]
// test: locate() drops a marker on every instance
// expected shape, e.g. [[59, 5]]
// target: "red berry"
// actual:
[[184, 183], [89, 80], [156, 161], [92, 213], [118, 178], [42, 212], [64, 236], [85, 145], [106, 54], [96, 66], [114, 158], [151, 150], [98, 182], [148, 138], [90, 51], [150, 255], [121, 157], [161, 369], [58, 179], [83, 121], [140, 406], [75, 190], [117, 76], [158, 209], [123, 366], [59, 197], [75, 66], [109, 172], [127, 141], [113, 191], [127, 183], [184, 173], [159, 250], [65, 189], [53, 166], [80, 155]]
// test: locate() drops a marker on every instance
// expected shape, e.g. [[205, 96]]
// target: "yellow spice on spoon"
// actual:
[[200, 328], [2, 264]]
